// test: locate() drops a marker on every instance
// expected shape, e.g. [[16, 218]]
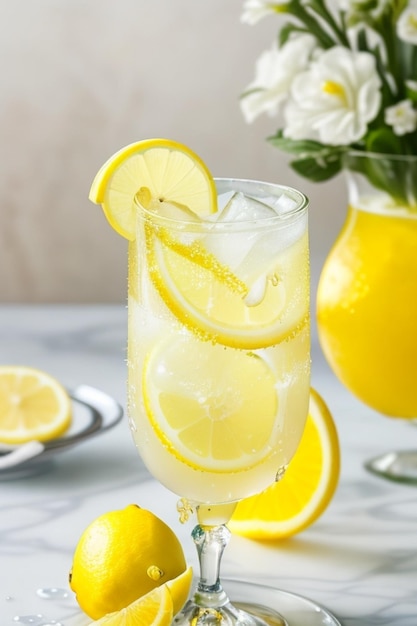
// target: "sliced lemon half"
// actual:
[[303, 494], [160, 170], [33, 405], [153, 609], [209, 299], [201, 400]]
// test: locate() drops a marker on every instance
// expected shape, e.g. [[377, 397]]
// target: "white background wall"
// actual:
[[82, 78]]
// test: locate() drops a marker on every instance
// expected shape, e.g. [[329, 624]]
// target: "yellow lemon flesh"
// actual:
[[210, 300], [209, 426], [160, 171], [122, 556], [33, 405], [179, 588], [156, 608], [153, 609], [367, 310], [303, 494]]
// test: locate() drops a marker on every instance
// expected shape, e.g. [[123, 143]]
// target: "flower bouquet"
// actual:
[[343, 76]]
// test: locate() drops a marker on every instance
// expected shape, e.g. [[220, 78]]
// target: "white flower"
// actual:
[[402, 117], [274, 73], [407, 23], [255, 10], [373, 8], [335, 98], [411, 84]]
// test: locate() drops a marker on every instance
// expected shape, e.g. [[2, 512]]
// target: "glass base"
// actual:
[[400, 467], [268, 607]]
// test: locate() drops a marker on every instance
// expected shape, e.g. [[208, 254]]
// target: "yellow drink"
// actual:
[[367, 309], [218, 353]]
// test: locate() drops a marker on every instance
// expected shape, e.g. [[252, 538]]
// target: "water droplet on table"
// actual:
[[52, 593], [35, 620]]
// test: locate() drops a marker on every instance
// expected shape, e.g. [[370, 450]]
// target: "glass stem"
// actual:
[[210, 542]]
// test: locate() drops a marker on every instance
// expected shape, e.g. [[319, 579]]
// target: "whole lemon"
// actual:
[[121, 556]]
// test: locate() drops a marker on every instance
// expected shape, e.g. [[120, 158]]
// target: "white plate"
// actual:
[[94, 412]]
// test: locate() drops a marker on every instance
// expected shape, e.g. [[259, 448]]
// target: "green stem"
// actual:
[[295, 8], [321, 9]]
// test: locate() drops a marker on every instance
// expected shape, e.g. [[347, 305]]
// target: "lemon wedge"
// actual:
[[202, 411], [33, 405], [179, 588], [303, 494], [159, 170], [153, 609]]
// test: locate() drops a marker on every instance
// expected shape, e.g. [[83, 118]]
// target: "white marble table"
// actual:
[[359, 559]]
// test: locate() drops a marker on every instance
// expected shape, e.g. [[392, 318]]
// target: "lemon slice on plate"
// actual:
[[303, 494], [200, 400], [160, 170], [33, 405]]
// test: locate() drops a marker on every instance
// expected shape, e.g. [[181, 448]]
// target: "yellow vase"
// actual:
[[367, 293]]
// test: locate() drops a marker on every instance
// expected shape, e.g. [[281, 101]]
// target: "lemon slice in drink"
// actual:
[[160, 170], [33, 405], [305, 491], [209, 299], [201, 400]]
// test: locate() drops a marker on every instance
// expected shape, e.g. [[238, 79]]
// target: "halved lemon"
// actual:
[[153, 609], [161, 170], [303, 494], [33, 405], [179, 588], [209, 299], [201, 400]]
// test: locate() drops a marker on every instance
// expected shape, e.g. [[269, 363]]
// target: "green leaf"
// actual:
[[317, 171], [296, 146], [286, 32], [315, 161], [383, 140]]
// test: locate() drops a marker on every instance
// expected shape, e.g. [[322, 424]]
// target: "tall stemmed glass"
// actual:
[[219, 360]]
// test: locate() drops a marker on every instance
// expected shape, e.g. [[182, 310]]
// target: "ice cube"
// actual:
[[282, 204], [173, 211], [231, 249], [241, 208], [223, 199], [253, 254], [178, 213]]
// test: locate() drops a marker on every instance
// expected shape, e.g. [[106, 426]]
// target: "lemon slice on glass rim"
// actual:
[[200, 400], [303, 494], [161, 170], [203, 294]]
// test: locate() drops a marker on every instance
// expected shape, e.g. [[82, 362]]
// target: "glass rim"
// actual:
[[383, 156], [302, 203]]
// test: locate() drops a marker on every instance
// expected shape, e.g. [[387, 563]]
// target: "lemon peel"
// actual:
[[306, 489]]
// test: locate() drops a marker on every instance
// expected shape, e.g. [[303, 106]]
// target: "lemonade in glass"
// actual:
[[218, 343]]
